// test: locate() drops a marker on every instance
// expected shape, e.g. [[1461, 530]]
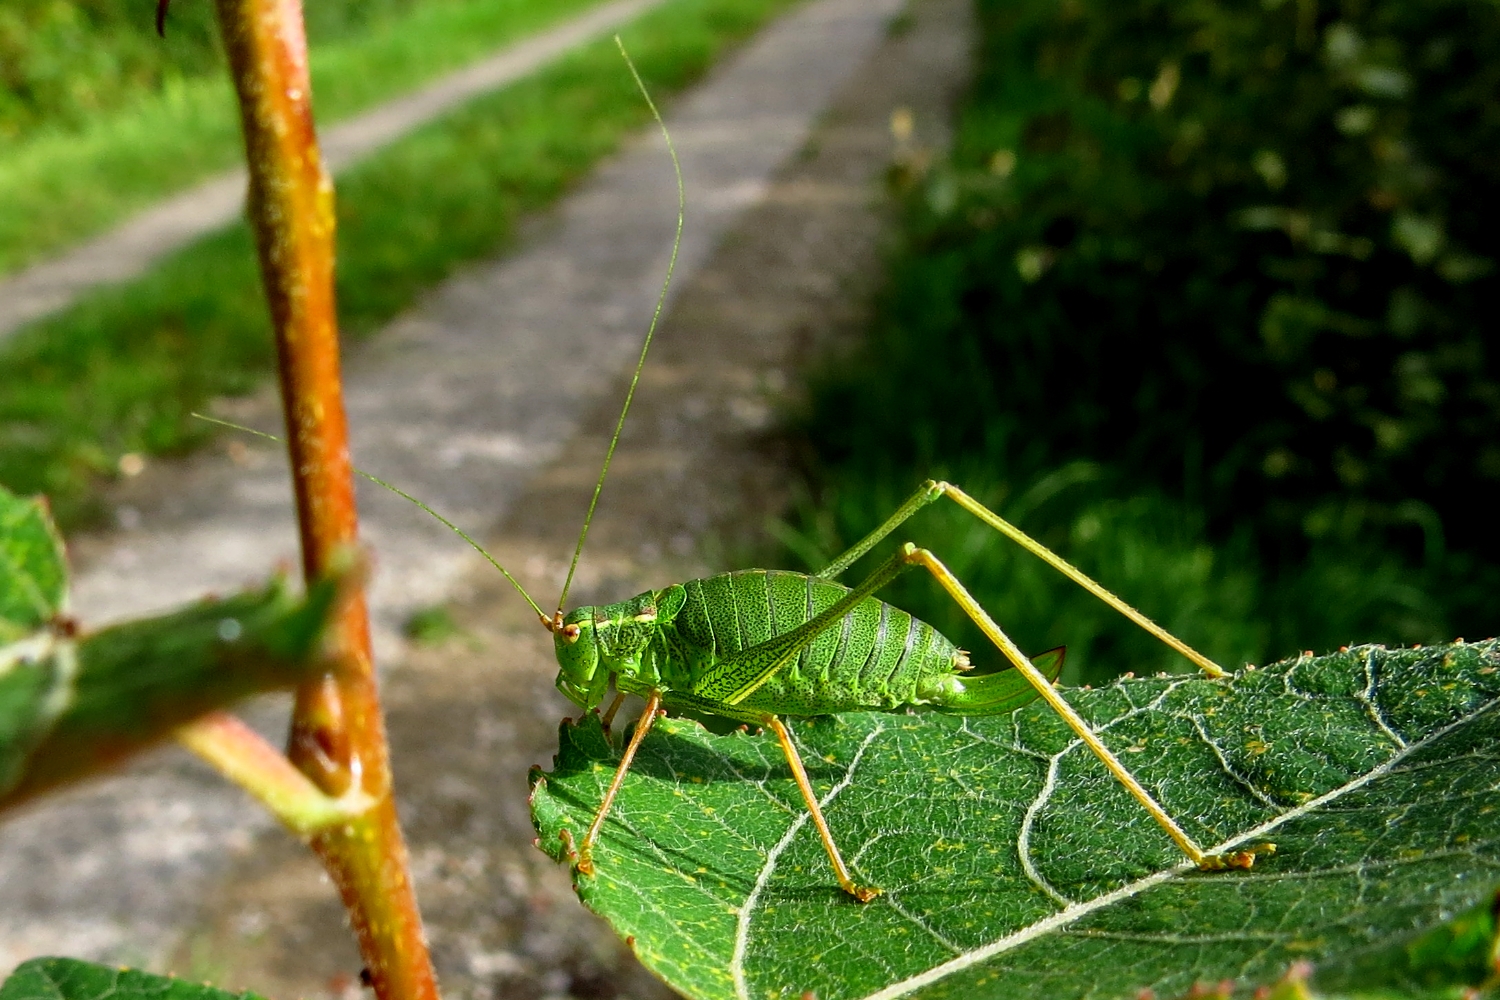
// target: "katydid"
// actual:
[[757, 646]]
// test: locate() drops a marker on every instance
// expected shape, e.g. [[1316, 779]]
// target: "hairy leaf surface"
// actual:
[[1014, 866], [71, 979]]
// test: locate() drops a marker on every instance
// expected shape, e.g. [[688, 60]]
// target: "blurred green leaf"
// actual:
[[36, 677], [33, 568], [1014, 866], [70, 979], [69, 707], [431, 626]]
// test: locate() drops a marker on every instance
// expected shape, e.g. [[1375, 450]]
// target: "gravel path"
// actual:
[[492, 400], [132, 248]]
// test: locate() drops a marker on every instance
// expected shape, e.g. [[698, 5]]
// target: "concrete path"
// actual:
[[700, 461], [460, 402], [132, 248]]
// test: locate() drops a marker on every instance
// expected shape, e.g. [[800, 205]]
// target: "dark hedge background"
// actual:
[[1234, 256]]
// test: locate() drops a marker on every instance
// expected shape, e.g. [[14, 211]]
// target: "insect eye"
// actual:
[[570, 633]]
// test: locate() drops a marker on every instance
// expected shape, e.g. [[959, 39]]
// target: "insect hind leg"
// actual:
[[950, 583], [860, 892], [932, 490]]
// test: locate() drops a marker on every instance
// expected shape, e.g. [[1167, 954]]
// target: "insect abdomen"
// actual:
[[877, 656]]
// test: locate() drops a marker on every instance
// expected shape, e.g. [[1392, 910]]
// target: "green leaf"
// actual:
[[70, 979], [1014, 866], [33, 568], [36, 686], [69, 707]]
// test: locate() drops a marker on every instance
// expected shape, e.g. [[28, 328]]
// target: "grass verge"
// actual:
[[120, 372], [62, 184]]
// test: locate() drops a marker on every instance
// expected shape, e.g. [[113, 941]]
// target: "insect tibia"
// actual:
[[1067, 569]]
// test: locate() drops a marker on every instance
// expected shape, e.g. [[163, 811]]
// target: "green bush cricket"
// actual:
[[755, 646]]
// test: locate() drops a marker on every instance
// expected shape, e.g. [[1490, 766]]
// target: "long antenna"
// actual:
[[661, 299], [406, 496]]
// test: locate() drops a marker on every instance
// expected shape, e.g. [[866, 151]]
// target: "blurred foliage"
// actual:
[[1232, 257], [62, 60], [431, 626]]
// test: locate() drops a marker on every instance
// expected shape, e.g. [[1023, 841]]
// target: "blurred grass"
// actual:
[[120, 372], [71, 171], [63, 62]]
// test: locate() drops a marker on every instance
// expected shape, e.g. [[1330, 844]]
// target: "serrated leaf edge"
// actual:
[[1077, 911]]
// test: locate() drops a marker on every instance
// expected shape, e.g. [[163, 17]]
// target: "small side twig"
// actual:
[[245, 758], [338, 735]]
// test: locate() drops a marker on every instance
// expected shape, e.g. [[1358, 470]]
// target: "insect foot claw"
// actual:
[[581, 857], [1235, 859], [863, 893]]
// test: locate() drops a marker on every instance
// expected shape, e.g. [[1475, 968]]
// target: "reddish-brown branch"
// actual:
[[338, 736]]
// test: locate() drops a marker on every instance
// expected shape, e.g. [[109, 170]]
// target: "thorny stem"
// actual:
[[338, 735]]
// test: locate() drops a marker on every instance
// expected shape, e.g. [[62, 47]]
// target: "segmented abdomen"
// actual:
[[876, 657]]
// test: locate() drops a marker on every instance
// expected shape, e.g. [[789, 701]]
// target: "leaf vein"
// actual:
[[1235, 776], [1366, 698], [1078, 911], [742, 922]]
